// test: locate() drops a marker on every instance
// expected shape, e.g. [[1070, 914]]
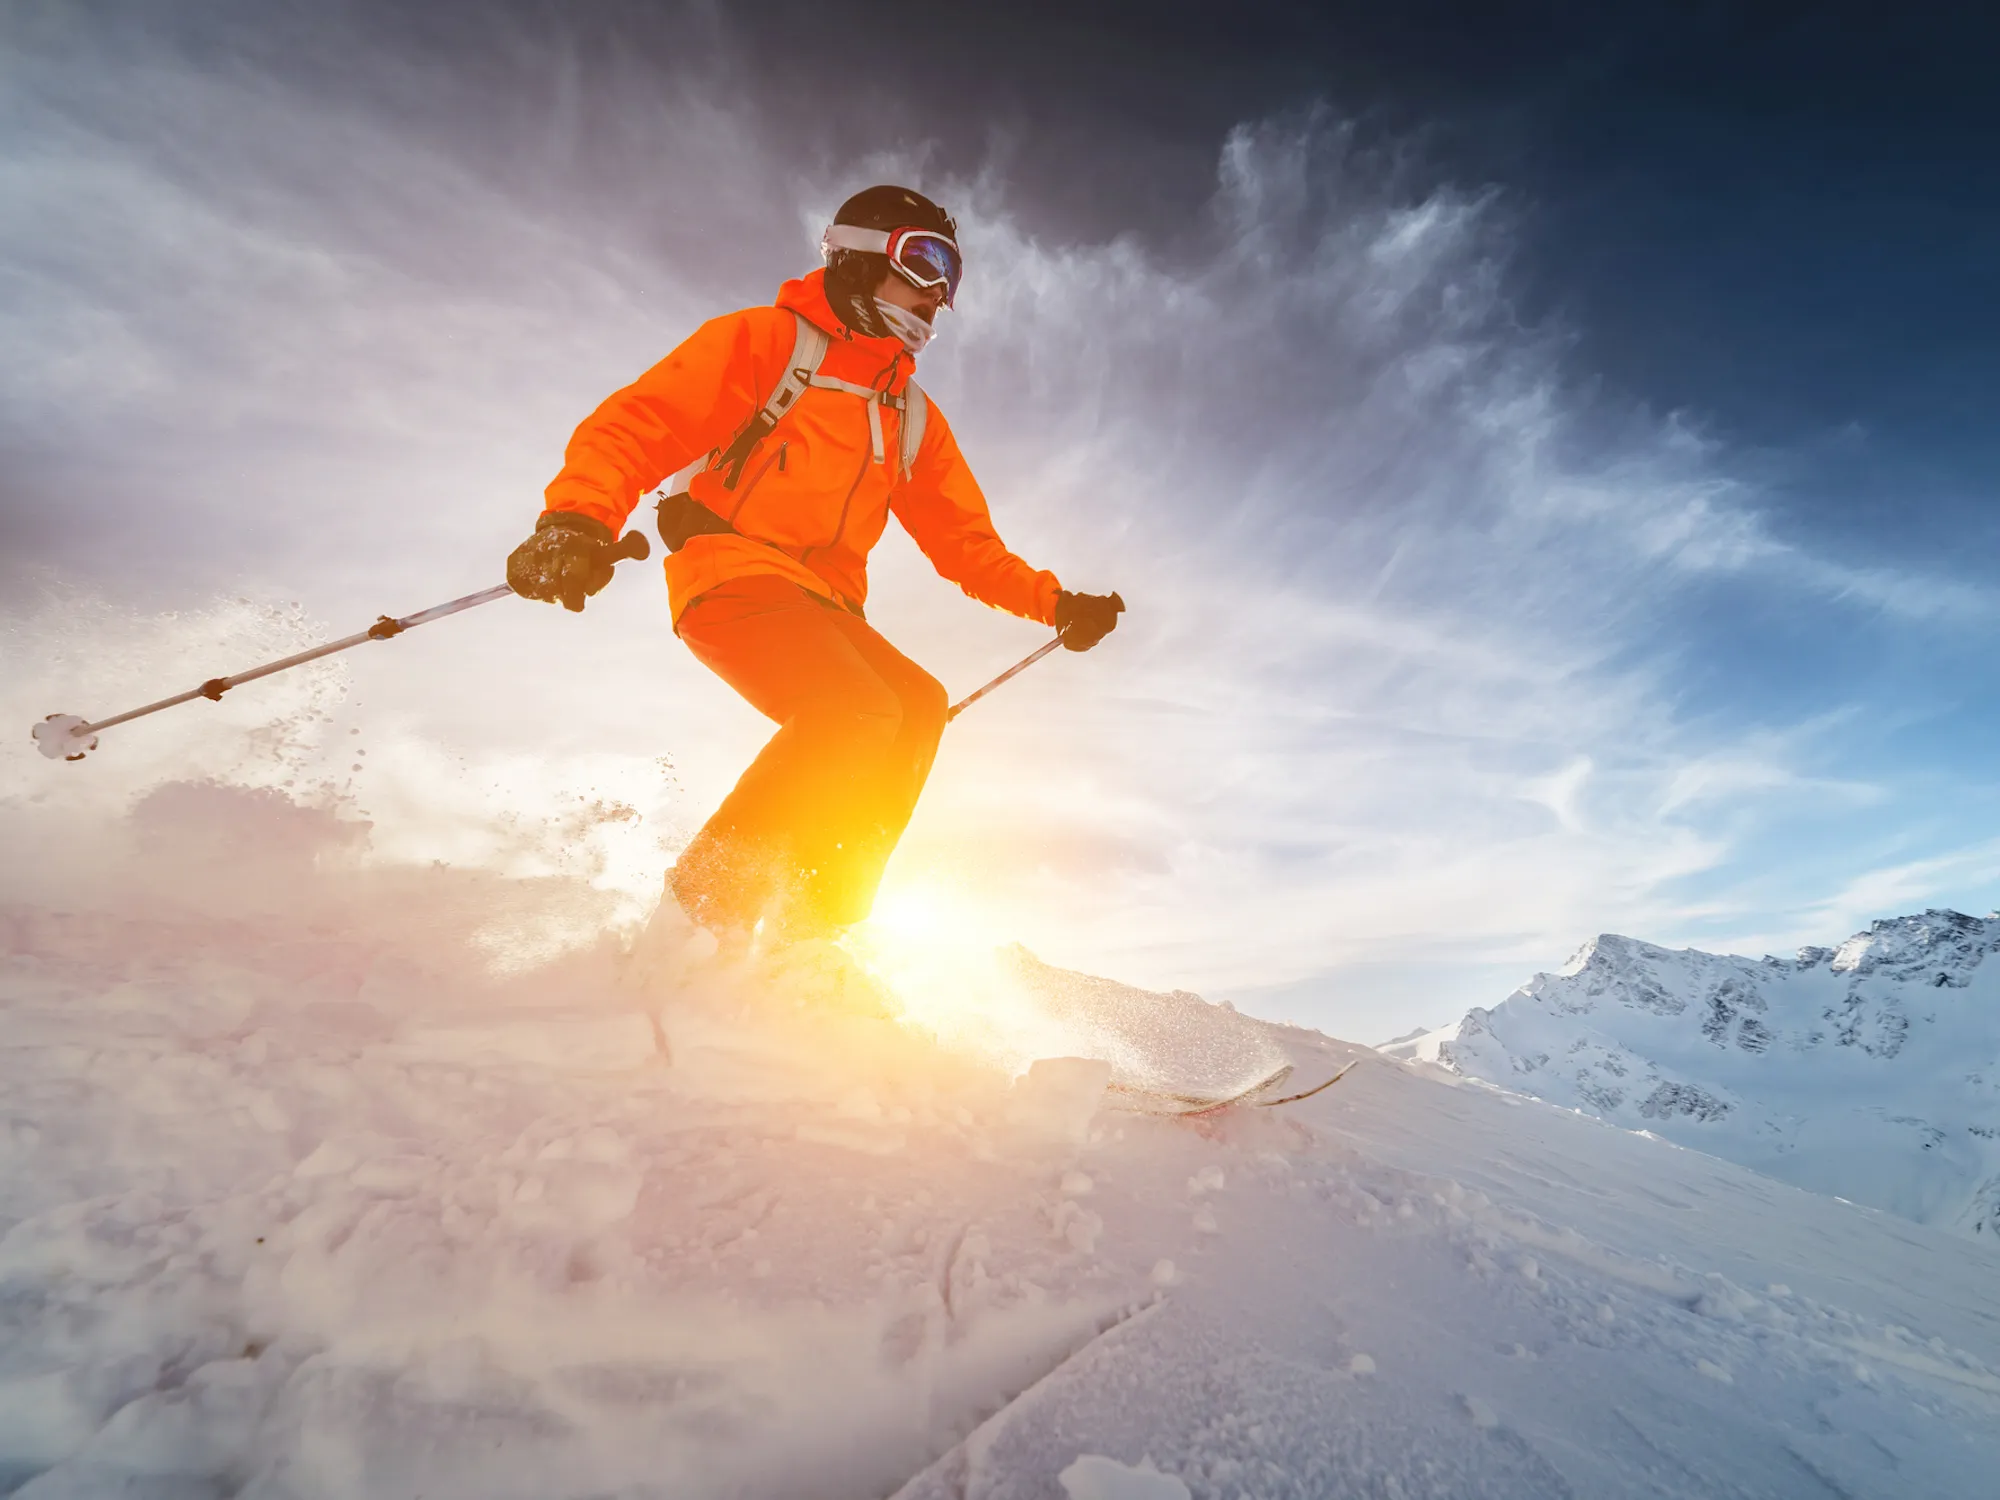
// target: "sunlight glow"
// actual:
[[930, 913], [929, 947]]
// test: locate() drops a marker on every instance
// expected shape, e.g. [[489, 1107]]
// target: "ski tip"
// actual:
[[1317, 1088], [1140, 1099]]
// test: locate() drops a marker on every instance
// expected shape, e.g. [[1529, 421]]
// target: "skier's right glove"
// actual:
[[569, 558], [1082, 620]]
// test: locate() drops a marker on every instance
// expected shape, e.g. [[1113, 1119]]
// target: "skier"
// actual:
[[813, 434]]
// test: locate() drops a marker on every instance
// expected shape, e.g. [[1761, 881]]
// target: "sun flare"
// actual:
[[941, 960]]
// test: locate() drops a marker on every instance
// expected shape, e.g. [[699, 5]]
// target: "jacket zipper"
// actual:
[[846, 504], [840, 527]]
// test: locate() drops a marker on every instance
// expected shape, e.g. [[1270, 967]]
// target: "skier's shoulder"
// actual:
[[751, 345], [756, 326]]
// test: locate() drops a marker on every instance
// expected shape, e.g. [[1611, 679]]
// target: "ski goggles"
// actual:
[[929, 261]]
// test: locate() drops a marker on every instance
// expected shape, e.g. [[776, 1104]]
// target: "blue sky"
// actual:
[[1548, 454]]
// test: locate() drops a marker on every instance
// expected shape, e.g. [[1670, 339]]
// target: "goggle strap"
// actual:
[[853, 237]]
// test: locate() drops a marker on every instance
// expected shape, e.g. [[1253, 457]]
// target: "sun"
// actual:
[[927, 914], [935, 952]]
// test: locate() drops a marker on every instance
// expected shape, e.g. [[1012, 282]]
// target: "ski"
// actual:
[[1317, 1088], [1141, 1100]]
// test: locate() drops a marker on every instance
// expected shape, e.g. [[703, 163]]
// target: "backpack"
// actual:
[[809, 346], [681, 516]]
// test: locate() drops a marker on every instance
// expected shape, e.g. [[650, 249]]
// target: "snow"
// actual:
[[1870, 1071], [308, 1194], [1095, 1477], [1425, 1044]]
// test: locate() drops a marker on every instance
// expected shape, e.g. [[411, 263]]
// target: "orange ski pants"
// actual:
[[806, 832]]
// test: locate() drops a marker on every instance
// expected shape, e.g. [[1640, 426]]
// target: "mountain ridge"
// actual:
[[1869, 1070]]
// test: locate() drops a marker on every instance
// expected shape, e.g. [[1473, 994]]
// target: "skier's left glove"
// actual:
[[569, 558], [1082, 620]]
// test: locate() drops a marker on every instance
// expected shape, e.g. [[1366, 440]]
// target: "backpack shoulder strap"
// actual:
[[916, 407], [809, 345]]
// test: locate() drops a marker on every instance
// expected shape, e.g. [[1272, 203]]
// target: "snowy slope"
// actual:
[[1871, 1071], [304, 1195], [1425, 1044]]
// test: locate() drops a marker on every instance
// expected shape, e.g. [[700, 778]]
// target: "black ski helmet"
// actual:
[[887, 207], [853, 275]]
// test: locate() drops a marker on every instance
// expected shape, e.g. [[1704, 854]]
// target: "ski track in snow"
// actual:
[[315, 1207]]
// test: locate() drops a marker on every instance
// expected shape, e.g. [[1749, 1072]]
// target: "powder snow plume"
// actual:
[[266, 803]]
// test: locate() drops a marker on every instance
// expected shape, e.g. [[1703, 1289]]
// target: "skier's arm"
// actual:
[[941, 506], [688, 404]]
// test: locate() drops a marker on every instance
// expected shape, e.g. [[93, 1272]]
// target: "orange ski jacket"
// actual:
[[812, 499]]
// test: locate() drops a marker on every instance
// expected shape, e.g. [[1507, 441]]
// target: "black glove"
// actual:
[[569, 558], [1082, 620]]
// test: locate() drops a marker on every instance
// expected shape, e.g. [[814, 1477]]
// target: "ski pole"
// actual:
[[1020, 666], [68, 736]]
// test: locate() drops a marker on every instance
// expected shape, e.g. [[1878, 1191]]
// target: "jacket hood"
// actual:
[[807, 297]]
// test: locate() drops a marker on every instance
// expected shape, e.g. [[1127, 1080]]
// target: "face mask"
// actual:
[[906, 325]]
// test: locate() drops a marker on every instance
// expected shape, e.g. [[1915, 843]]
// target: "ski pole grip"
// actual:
[[632, 545]]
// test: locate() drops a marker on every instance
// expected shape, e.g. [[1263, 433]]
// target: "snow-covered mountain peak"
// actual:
[[1580, 960], [1622, 971], [1945, 946], [1870, 1070]]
